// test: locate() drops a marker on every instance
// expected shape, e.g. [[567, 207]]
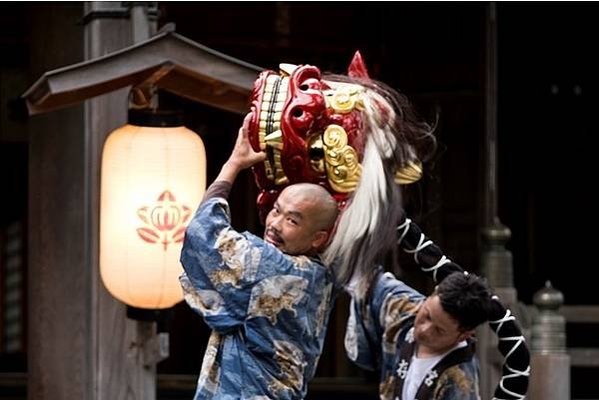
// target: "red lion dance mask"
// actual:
[[348, 134]]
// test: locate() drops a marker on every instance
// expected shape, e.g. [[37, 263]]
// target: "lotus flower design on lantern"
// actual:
[[165, 221]]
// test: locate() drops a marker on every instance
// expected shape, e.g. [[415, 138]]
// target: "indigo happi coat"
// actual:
[[377, 332], [268, 311]]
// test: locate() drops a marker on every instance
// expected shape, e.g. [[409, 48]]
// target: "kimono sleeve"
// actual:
[[373, 326], [220, 267]]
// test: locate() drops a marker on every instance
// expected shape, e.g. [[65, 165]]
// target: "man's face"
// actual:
[[292, 225], [435, 331]]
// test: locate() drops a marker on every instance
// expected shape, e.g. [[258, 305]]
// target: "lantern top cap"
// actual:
[[155, 118]]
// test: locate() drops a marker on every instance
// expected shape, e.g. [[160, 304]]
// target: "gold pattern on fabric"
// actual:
[[210, 372], [341, 160], [277, 387], [321, 311], [456, 375], [302, 263], [274, 294], [271, 305], [227, 244], [387, 387], [292, 365], [226, 276], [394, 312], [207, 302], [240, 258]]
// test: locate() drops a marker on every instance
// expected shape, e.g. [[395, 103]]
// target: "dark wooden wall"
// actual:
[[56, 216]]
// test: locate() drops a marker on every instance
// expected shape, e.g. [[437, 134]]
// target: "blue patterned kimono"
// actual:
[[377, 331], [268, 310]]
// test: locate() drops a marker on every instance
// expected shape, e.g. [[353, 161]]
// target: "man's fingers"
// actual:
[[261, 156], [240, 137], [245, 127]]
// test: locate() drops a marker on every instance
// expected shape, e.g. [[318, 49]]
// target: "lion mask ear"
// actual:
[[357, 68], [411, 173]]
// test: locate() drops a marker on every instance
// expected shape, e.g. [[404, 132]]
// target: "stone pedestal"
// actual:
[[550, 363], [550, 377]]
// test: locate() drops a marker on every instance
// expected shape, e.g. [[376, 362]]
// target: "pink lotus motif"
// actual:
[[165, 221]]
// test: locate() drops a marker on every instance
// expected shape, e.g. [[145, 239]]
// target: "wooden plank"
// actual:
[[581, 314], [576, 314], [584, 357]]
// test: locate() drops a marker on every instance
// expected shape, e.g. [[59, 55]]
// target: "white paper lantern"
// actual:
[[153, 179]]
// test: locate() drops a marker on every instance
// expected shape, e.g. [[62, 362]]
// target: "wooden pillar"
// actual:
[[81, 345], [59, 347], [121, 372], [496, 259]]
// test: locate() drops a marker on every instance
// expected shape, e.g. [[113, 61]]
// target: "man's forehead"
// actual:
[[286, 209], [296, 203], [295, 190], [296, 194], [439, 315], [291, 206]]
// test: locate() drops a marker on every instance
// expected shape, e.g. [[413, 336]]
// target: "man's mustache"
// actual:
[[273, 233]]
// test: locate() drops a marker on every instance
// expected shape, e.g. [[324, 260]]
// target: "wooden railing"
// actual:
[[554, 361]]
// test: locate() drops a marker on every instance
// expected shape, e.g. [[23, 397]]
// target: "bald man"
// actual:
[[267, 300], [301, 219]]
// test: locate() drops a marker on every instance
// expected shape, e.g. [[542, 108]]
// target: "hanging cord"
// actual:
[[516, 366], [426, 253]]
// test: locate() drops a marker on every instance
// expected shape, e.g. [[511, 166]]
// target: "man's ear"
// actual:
[[320, 240], [466, 335]]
